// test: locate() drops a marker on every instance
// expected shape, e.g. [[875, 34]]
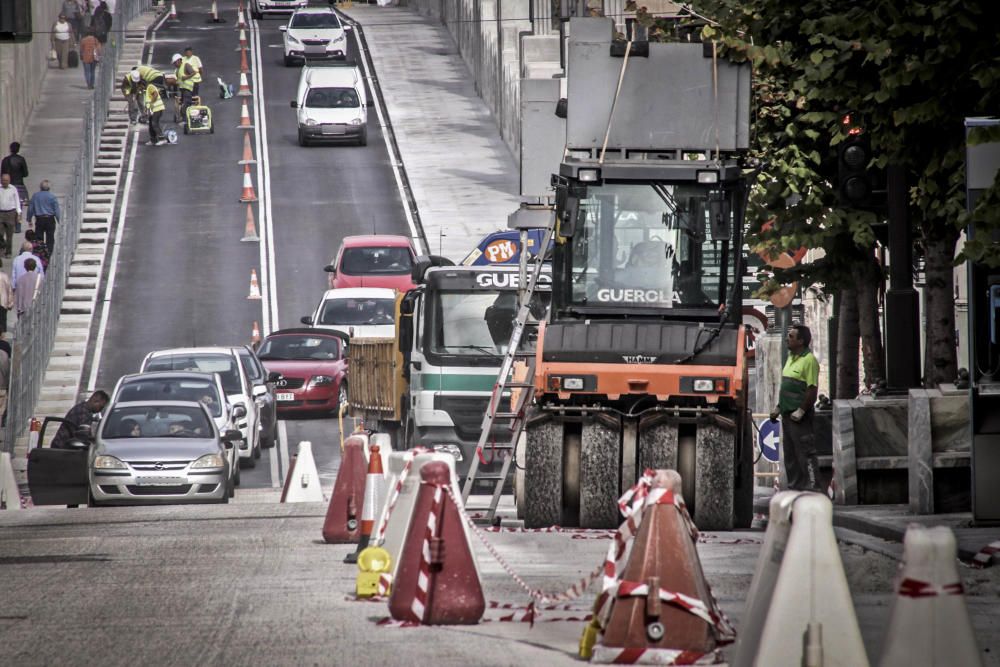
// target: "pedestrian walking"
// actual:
[[155, 107], [199, 70], [20, 264], [80, 415], [72, 11], [43, 213], [10, 212], [102, 22], [90, 55], [38, 248], [6, 297], [28, 286], [5, 356], [17, 167], [796, 398], [62, 39]]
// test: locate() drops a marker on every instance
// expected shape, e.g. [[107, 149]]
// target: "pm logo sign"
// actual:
[[500, 251]]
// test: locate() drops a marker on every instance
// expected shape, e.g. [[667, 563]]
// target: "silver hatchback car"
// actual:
[[160, 452]]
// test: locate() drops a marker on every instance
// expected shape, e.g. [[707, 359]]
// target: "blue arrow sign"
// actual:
[[769, 439]]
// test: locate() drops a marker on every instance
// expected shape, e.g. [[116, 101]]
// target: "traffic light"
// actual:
[[858, 184]]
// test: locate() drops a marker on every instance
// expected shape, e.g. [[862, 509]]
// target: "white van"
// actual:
[[331, 104]]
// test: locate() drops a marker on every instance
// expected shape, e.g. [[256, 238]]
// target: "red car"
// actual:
[[313, 368], [373, 261]]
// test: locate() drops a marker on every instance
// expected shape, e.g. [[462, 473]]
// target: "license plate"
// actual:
[[160, 481], [285, 396], [333, 130]]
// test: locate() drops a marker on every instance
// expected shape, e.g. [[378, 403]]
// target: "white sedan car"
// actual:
[[362, 312], [258, 8], [314, 33]]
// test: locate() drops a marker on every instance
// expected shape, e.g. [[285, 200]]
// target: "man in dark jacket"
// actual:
[[17, 167], [81, 414]]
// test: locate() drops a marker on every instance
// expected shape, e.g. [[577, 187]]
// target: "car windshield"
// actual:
[[332, 98], [299, 348], [156, 421], [325, 21], [172, 389], [380, 261], [474, 323], [357, 311], [649, 246], [253, 370], [224, 365]]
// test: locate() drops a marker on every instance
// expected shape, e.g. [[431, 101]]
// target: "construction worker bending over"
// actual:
[[186, 74], [133, 96], [148, 75], [155, 107]]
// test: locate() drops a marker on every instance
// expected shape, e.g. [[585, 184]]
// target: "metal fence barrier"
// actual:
[[35, 332]]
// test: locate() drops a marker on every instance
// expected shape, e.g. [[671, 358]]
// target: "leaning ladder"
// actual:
[[505, 383]]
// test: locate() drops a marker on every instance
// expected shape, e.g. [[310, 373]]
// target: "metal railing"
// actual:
[[35, 332]]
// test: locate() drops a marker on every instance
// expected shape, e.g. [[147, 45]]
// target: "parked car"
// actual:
[[263, 393], [365, 312], [238, 388], [205, 388], [331, 104], [259, 8], [313, 367], [160, 452], [314, 33], [376, 260]]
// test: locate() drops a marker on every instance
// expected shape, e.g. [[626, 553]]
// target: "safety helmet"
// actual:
[[174, 58], [135, 75]]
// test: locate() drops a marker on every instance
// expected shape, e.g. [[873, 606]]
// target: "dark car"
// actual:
[[313, 368]]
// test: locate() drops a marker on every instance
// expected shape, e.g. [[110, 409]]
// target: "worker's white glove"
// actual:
[[798, 415]]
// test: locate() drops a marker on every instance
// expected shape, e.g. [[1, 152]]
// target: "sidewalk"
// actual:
[[463, 177]]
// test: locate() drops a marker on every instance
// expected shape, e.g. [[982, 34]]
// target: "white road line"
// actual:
[[394, 159], [152, 38], [103, 326]]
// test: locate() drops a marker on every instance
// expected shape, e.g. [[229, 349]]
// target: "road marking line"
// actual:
[[394, 159]]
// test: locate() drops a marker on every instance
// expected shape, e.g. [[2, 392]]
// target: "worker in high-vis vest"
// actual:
[[796, 398], [155, 106], [147, 75], [199, 70], [185, 74], [133, 95]]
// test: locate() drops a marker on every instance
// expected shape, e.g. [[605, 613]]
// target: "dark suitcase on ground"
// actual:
[[74, 59]]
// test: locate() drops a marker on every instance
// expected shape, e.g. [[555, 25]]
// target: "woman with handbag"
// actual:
[[90, 55], [62, 40]]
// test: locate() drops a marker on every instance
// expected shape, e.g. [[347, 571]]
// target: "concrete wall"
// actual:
[[22, 67]]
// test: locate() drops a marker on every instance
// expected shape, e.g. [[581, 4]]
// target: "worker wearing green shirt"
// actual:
[[796, 398]]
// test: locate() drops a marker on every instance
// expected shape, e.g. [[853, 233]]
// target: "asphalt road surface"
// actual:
[[183, 276]]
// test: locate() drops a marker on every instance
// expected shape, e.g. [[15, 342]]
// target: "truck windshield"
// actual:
[[648, 246], [477, 323]]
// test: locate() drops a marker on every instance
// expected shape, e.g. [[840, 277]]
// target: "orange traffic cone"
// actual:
[[255, 335], [173, 13], [215, 13], [248, 191], [660, 610], [254, 285], [241, 21], [247, 150], [374, 497], [250, 230], [244, 67], [245, 119], [34, 427], [244, 86], [243, 41], [341, 525]]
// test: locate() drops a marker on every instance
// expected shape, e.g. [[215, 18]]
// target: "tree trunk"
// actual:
[[868, 278], [940, 349], [847, 345]]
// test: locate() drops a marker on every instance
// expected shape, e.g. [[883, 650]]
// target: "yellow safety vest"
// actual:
[[153, 100], [195, 63], [149, 73], [185, 81]]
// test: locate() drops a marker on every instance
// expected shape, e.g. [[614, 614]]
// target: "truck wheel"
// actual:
[[714, 481], [543, 473], [599, 475]]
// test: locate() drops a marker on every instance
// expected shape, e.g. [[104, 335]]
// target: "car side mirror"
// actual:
[[259, 390], [347, 28], [330, 268], [283, 28], [231, 436], [293, 104], [306, 319], [274, 376], [239, 412]]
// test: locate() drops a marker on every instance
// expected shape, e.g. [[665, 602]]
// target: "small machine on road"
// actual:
[[198, 118]]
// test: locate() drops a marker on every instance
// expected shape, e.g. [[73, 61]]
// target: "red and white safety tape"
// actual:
[[420, 597], [914, 588], [984, 558]]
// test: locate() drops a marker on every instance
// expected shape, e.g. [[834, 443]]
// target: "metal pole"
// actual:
[[902, 304]]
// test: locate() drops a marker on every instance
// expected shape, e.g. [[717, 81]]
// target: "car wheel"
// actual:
[[248, 462], [224, 500], [302, 139], [236, 477], [272, 439], [256, 451], [232, 489], [363, 139], [289, 61]]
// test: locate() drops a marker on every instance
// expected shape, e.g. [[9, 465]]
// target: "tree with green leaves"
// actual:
[[909, 73]]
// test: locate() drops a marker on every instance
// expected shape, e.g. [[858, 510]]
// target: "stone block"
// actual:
[[920, 467], [540, 48], [845, 469], [880, 427]]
